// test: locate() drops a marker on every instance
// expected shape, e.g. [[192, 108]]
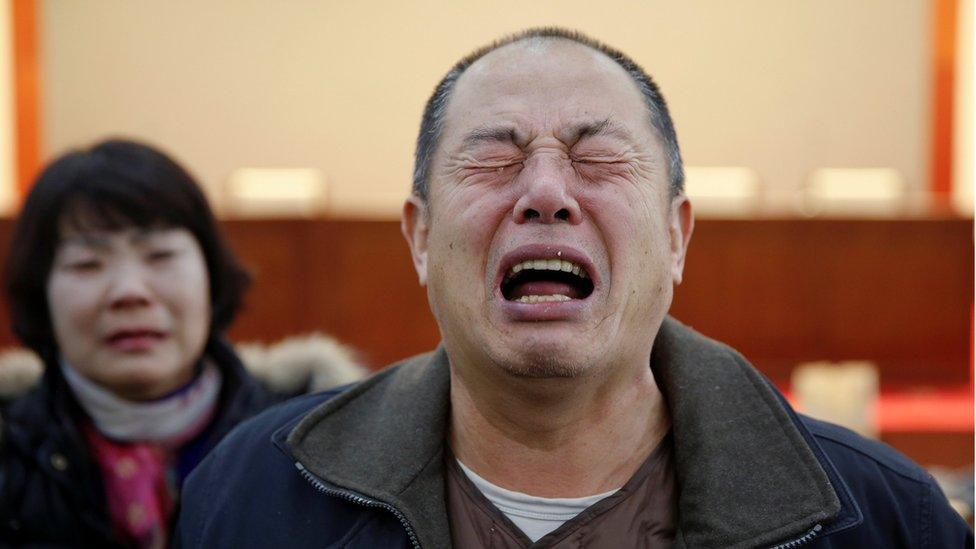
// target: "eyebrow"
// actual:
[[508, 134], [498, 134], [605, 127]]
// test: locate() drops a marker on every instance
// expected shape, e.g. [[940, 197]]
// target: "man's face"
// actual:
[[549, 244]]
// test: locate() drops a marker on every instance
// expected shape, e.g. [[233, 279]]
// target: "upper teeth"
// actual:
[[549, 265]]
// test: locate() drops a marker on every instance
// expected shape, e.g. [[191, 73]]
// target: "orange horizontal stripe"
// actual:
[[937, 410]]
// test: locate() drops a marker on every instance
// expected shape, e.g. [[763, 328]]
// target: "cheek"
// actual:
[[634, 230], [73, 304], [195, 305], [464, 223], [188, 298]]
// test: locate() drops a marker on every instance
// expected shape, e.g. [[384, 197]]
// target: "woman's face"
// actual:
[[130, 308]]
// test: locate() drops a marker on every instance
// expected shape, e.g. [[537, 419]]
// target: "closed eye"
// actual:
[[492, 169], [160, 255], [604, 168], [84, 266], [598, 159], [497, 165]]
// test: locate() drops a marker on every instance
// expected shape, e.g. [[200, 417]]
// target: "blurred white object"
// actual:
[[845, 393], [313, 362], [725, 191], [854, 191], [275, 192], [20, 369]]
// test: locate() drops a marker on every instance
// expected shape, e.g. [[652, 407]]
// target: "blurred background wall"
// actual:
[[781, 87]]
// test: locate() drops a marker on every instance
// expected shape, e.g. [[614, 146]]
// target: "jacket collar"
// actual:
[[747, 475]]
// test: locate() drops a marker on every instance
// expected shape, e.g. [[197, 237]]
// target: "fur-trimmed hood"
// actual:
[[307, 363]]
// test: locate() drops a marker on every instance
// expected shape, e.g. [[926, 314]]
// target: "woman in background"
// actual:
[[119, 279]]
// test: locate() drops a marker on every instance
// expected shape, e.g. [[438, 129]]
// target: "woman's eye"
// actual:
[[160, 255], [84, 265]]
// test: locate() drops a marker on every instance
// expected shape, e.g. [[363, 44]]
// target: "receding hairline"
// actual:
[[536, 38], [540, 44], [481, 59], [487, 62]]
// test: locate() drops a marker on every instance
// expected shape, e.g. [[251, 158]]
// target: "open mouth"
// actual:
[[546, 280]]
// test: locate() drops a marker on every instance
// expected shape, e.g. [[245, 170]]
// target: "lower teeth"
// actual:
[[542, 298]]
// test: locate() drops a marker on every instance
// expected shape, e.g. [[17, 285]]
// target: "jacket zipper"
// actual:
[[802, 540], [353, 497]]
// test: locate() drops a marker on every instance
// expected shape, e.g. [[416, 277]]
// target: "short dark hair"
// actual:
[[432, 122], [112, 185]]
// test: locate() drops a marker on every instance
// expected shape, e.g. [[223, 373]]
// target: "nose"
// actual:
[[129, 288], [548, 196]]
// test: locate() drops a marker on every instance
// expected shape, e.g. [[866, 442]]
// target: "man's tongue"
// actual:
[[543, 287]]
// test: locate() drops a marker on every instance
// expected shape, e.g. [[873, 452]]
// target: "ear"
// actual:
[[413, 223], [682, 224]]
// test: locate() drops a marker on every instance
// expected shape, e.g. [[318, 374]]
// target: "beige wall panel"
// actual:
[[964, 148], [783, 87]]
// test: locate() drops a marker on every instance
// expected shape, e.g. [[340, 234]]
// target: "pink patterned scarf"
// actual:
[[140, 497], [138, 475]]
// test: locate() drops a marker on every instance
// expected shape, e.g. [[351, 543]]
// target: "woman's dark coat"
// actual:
[[50, 488]]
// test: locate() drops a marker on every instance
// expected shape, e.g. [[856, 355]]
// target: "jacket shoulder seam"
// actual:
[[901, 470]]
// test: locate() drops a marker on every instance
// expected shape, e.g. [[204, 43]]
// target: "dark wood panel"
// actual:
[[353, 280], [370, 294], [275, 254], [898, 292], [931, 448], [6, 335]]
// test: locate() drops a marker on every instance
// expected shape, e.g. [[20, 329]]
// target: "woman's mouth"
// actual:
[[134, 340]]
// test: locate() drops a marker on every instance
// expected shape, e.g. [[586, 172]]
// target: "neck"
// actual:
[[170, 420], [557, 438]]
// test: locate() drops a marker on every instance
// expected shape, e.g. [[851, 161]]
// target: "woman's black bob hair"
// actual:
[[113, 185]]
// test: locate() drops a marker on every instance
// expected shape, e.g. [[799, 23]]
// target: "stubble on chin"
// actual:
[[542, 365]]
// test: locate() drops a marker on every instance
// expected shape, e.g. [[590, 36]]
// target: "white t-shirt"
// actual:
[[535, 516]]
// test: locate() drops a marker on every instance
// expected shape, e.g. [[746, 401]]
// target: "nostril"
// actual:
[[562, 215], [531, 214]]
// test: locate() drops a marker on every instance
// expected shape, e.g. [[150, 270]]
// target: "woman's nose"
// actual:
[[129, 288]]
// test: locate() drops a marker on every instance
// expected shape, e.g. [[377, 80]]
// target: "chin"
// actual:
[[543, 361], [148, 380]]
